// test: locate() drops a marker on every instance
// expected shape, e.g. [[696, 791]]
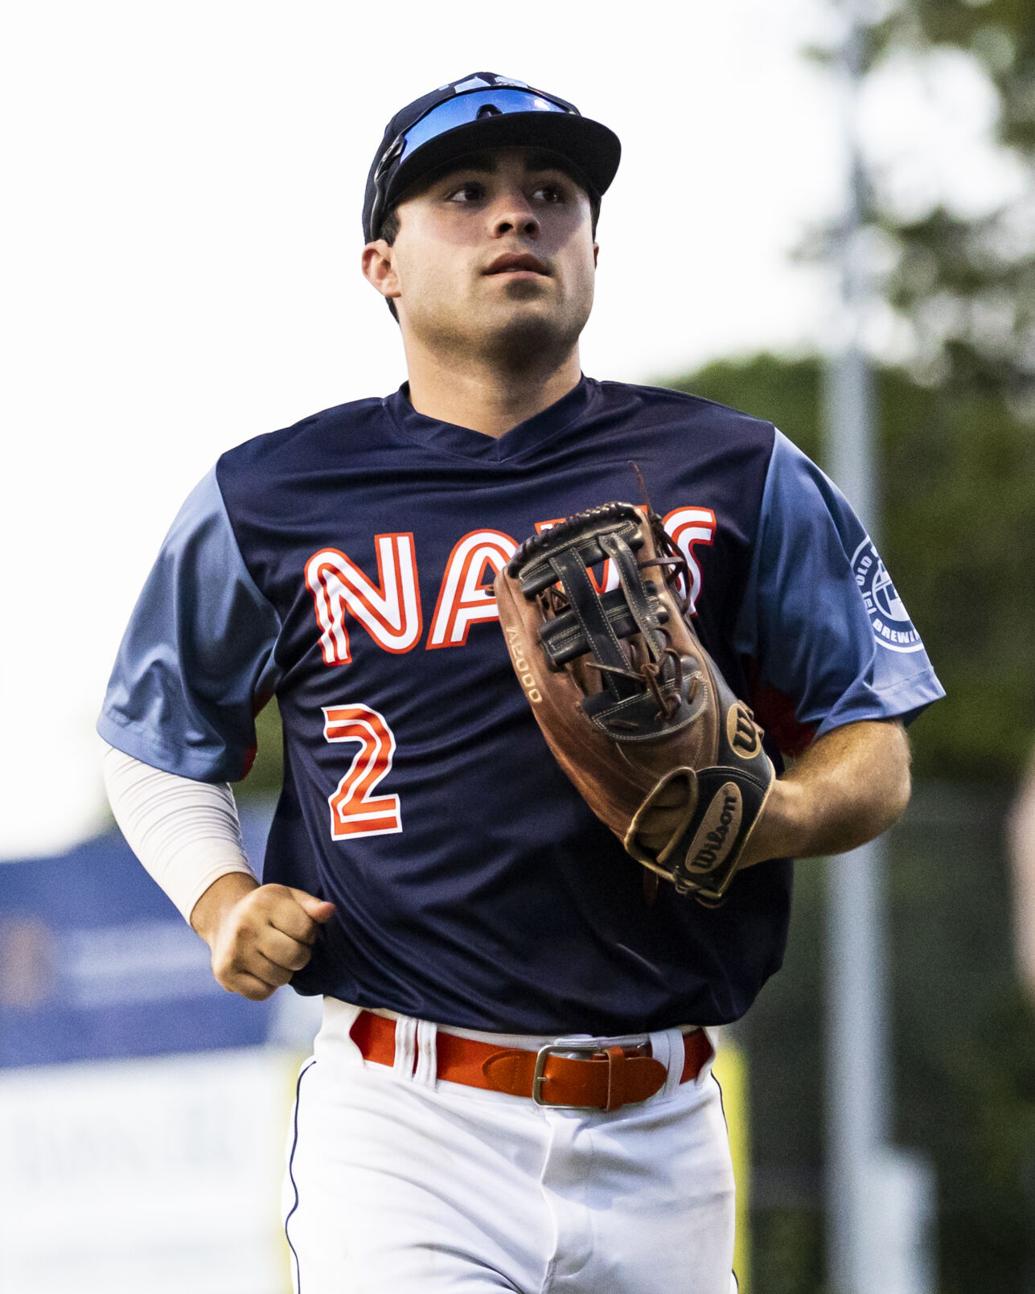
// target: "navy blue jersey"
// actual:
[[346, 564]]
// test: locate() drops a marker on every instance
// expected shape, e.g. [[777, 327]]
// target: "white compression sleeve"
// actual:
[[185, 833]]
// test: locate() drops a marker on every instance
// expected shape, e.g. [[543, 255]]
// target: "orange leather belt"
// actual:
[[566, 1075]]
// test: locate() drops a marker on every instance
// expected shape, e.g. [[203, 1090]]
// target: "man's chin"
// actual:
[[529, 335]]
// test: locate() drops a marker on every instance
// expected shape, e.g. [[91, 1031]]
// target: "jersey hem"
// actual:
[[141, 743], [923, 690]]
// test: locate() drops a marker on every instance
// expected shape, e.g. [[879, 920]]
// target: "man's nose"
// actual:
[[513, 214]]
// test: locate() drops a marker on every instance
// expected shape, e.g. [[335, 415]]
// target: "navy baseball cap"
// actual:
[[482, 110]]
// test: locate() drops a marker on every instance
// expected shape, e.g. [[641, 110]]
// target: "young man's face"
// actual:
[[453, 273]]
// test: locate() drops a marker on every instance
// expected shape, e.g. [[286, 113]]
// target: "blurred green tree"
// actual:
[[265, 777], [964, 284]]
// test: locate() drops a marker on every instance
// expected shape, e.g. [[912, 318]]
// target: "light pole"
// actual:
[[858, 1095], [879, 1198]]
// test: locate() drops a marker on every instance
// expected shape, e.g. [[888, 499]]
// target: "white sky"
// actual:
[[181, 245]]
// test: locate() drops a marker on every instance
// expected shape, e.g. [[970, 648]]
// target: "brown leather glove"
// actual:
[[631, 705]]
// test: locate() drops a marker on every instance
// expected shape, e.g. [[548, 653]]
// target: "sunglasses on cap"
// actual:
[[448, 115]]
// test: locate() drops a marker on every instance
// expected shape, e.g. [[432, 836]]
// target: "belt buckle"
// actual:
[[573, 1048], [569, 1049]]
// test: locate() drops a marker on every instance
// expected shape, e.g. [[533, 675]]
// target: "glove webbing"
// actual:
[[598, 630]]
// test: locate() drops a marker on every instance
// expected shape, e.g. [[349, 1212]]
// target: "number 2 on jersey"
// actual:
[[355, 810]]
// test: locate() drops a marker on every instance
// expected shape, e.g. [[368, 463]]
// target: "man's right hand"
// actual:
[[259, 934]]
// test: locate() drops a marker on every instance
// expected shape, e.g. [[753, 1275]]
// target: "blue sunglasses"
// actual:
[[458, 111]]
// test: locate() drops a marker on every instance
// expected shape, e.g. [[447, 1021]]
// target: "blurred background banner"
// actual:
[[95, 963], [180, 272]]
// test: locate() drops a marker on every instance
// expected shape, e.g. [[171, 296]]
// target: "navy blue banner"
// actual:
[[96, 963]]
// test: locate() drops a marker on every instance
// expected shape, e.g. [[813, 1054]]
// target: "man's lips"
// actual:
[[510, 262]]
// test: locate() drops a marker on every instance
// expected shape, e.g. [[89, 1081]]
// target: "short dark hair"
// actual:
[[389, 229]]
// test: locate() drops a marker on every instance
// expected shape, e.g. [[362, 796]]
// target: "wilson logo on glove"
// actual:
[[742, 733], [631, 705], [709, 847]]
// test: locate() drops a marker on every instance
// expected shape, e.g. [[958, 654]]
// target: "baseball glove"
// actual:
[[630, 703]]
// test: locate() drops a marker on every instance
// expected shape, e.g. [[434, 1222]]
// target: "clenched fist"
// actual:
[[259, 935]]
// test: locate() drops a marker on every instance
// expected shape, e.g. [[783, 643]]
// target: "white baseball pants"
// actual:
[[399, 1184]]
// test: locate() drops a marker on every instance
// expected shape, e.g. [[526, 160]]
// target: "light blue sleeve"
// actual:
[[196, 661], [821, 618]]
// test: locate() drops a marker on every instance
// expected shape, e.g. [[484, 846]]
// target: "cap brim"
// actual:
[[591, 147]]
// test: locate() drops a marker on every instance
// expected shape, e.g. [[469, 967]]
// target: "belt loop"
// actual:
[[426, 1072], [667, 1046], [405, 1047]]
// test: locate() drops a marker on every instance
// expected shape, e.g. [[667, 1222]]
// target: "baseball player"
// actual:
[[511, 1088]]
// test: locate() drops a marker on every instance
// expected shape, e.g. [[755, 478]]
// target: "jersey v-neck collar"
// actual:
[[464, 441]]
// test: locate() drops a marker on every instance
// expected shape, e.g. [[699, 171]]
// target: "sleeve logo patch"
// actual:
[[892, 626]]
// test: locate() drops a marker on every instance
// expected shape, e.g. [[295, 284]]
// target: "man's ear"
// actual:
[[379, 268], [596, 253]]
